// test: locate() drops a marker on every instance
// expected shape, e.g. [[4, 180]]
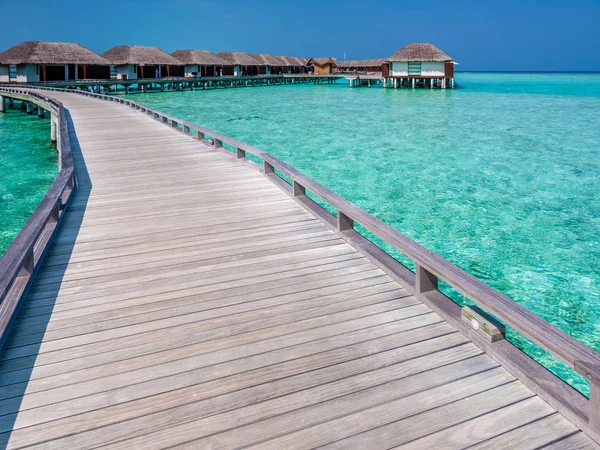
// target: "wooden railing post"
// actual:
[[591, 371], [344, 223], [174, 124], [425, 281], [298, 189], [218, 143], [268, 167], [594, 408], [55, 214], [186, 129], [240, 153], [28, 264]]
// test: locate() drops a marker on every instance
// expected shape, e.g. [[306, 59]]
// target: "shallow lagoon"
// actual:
[[28, 164], [499, 176]]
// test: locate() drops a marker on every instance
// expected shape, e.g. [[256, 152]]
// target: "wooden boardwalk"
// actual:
[[188, 301]]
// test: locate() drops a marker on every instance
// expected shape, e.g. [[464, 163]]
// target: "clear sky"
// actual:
[[562, 35]]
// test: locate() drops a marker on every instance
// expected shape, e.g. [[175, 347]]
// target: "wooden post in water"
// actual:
[[29, 108], [40, 112], [1, 104]]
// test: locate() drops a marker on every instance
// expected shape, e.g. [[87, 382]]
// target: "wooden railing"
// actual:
[[430, 268], [21, 260]]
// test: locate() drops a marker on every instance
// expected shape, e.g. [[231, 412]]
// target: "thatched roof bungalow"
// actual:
[[135, 61], [200, 63], [50, 61], [422, 60], [271, 65], [322, 66], [364, 65], [242, 63], [294, 64]]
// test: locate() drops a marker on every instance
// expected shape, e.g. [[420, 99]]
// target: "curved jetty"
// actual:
[[187, 299]]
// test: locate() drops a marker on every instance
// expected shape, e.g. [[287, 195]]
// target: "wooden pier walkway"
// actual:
[[188, 301]]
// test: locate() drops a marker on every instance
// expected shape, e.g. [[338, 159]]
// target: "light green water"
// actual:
[[28, 165], [500, 176]]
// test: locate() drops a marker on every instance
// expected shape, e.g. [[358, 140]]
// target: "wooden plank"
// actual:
[[403, 421], [547, 430], [577, 441], [246, 387], [287, 313], [282, 415], [480, 429], [306, 365], [166, 362]]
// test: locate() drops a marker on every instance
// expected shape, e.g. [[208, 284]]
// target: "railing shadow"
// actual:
[[21, 349]]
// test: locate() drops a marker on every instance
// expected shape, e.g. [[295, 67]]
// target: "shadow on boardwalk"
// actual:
[[20, 352]]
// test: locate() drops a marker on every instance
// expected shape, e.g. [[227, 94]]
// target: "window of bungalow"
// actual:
[[113, 70], [414, 68], [12, 72]]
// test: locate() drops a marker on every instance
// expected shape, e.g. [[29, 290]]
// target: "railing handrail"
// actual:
[[572, 352], [23, 255]]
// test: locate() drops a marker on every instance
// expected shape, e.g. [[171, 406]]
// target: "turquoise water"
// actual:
[[28, 165], [500, 176]]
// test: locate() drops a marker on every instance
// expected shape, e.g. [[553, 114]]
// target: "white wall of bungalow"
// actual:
[[428, 69]]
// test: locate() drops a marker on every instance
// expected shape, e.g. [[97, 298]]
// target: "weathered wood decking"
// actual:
[[188, 301]]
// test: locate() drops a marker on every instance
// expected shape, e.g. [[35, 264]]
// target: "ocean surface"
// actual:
[[500, 176], [28, 165]]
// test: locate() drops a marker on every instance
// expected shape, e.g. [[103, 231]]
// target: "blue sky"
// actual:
[[479, 34]]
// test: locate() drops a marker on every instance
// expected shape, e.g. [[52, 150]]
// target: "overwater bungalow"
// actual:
[[135, 61], [419, 65], [240, 64], [50, 61], [272, 65], [322, 66], [296, 65], [200, 63], [365, 65]]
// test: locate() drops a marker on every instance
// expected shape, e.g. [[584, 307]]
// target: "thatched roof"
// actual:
[[321, 61], [267, 59], [294, 61], [419, 52], [240, 59], [281, 61], [137, 54], [36, 52], [362, 63], [289, 61], [200, 57]]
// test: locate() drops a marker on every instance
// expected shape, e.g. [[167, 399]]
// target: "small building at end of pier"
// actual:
[[129, 62], [322, 66], [37, 61], [419, 65]]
